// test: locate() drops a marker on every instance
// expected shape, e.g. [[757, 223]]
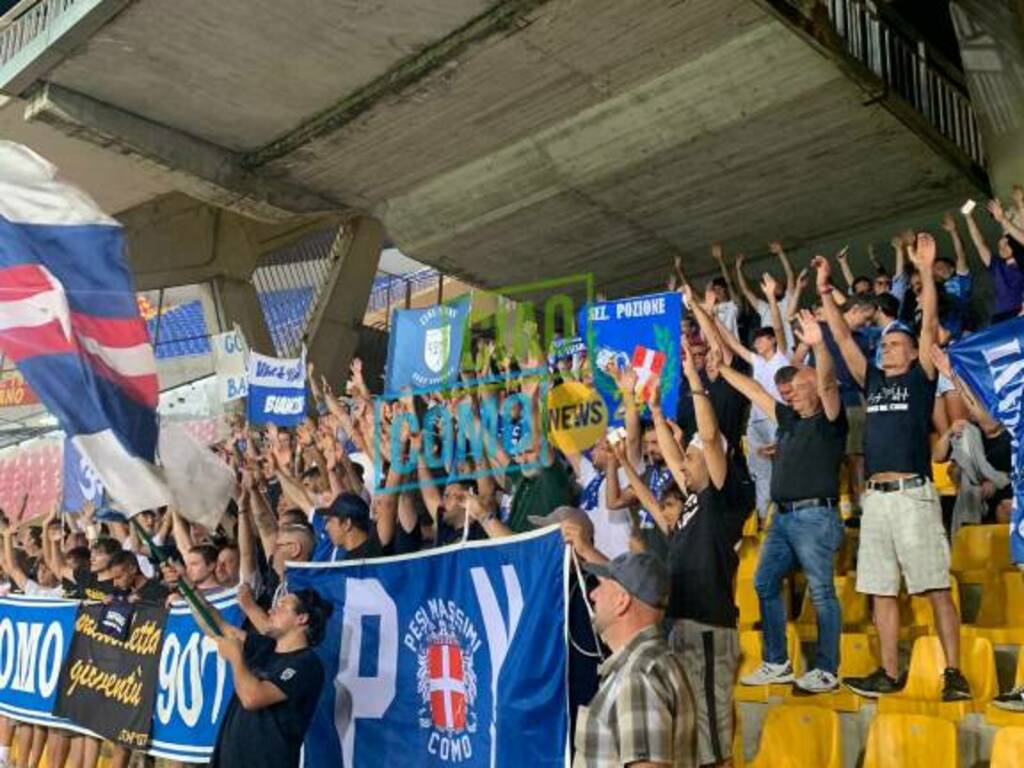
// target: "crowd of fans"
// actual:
[[782, 393]]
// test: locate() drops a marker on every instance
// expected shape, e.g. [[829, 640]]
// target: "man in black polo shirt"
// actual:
[[901, 528], [277, 679], [806, 530]]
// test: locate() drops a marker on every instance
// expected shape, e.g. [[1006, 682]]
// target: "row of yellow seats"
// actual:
[[923, 691], [980, 550], [976, 551], [1000, 617], [915, 612], [796, 735]]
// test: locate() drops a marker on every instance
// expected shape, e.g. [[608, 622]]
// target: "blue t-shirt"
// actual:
[[657, 479], [954, 310], [1008, 282], [325, 551]]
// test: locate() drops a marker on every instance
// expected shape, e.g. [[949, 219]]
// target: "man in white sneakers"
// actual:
[[806, 530]]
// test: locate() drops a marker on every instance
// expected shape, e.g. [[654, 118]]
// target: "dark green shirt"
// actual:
[[538, 496]]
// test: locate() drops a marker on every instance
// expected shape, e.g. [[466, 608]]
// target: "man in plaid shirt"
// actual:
[[643, 713]]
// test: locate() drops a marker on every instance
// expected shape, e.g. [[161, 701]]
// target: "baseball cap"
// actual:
[[110, 515], [349, 506], [898, 326], [639, 573], [561, 515]]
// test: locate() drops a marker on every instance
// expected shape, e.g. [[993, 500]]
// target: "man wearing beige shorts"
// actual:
[[901, 529]]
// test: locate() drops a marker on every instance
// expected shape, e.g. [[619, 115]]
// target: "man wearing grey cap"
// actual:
[[642, 714]]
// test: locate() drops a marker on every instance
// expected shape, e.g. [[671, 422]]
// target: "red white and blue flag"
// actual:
[[70, 320]]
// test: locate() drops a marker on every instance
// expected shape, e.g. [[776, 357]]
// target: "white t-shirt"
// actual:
[[611, 526], [764, 374], [145, 564], [33, 589], [727, 313], [764, 310], [943, 386], [369, 473]]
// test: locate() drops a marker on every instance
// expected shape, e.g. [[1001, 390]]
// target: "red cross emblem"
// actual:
[[447, 687], [648, 364]]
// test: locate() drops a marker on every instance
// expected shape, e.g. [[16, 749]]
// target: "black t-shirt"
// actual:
[[899, 418], [270, 583], [807, 455], [153, 591], [407, 541], [368, 550], [88, 586], [998, 450], [444, 534], [730, 409], [702, 557], [271, 737]]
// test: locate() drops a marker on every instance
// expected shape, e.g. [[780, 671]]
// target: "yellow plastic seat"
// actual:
[[1003, 717], [855, 609], [944, 484], [799, 735], [921, 607], [750, 659], [846, 557], [911, 741], [922, 694], [858, 657], [1001, 614], [750, 526], [750, 551], [1008, 748], [978, 550], [748, 604]]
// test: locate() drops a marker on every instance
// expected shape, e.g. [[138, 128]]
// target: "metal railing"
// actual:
[[910, 68], [29, 25], [393, 289], [289, 282]]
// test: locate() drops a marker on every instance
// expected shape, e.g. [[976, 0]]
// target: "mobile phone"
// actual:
[[967, 207]]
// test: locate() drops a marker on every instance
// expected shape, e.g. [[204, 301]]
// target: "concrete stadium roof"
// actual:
[[502, 140]]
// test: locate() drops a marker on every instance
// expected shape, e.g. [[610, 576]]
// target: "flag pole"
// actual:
[[187, 591]]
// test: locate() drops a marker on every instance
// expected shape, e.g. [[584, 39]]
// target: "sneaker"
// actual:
[[815, 681], [768, 674], [878, 683], [1011, 700], [954, 685]]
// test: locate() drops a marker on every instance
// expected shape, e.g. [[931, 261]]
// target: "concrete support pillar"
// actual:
[[334, 329], [240, 304], [992, 50]]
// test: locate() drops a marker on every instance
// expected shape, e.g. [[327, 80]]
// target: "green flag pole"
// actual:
[[187, 591]]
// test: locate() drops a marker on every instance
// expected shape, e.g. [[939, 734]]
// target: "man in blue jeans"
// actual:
[[806, 530]]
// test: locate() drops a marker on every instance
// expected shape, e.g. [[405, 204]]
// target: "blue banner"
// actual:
[[641, 331], [35, 634], [194, 685], [451, 657], [992, 364], [277, 389], [81, 483], [425, 346]]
